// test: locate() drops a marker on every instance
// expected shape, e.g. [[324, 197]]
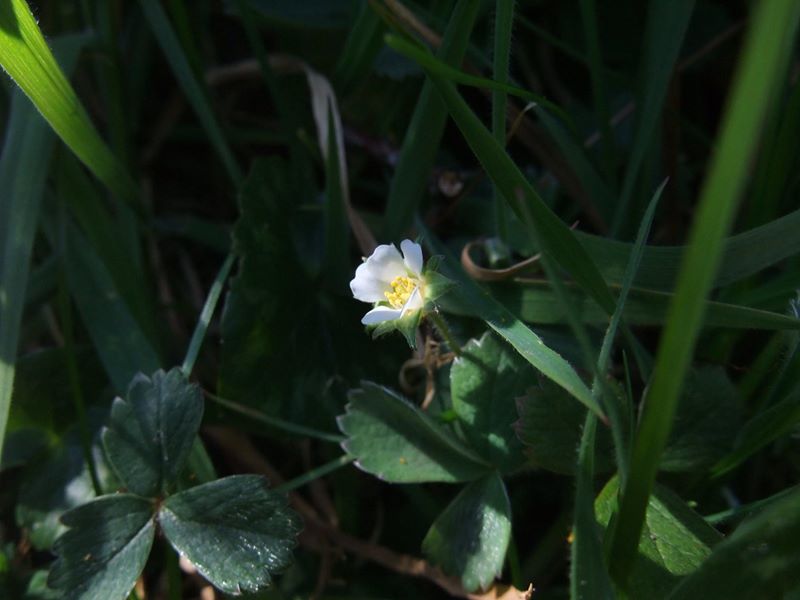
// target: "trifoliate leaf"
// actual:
[[485, 382], [105, 549], [675, 541], [395, 441], [234, 530], [469, 539], [758, 561], [151, 432]]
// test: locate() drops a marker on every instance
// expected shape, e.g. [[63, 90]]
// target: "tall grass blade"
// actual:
[[25, 56], [425, 130], [589, 576], [763, 60]]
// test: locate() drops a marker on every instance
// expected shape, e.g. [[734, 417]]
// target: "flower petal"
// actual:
[[379, 314], [374, 276], [412, 256], [414, 302]]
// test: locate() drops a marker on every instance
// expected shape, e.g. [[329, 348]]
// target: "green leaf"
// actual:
[[674, 541], [234, 530], [105, 548], [395, 441], [470, 538], [550, 426], [743, 255], [759, 561], [535, 302], [706, 422], [485, 382], [151, 432], [25, 56]]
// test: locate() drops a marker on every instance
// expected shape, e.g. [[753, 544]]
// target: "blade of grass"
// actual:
[[667, 22], [504, 24], [744, 254], [425, 130], [121, 344], [275, 422], [205, 315], [191, 85], [761, 67], [425, 58], [363, 42], [315, 473], [588, 575], [27, 59], [105, 232], [23, 163]]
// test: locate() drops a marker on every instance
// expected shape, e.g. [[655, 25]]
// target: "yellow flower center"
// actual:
[[402, 288]]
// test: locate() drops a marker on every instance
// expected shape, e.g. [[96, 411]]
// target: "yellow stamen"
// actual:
[[402, 288]]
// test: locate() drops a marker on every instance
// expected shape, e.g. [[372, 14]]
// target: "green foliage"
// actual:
[[29, 61], [234, 530], [485, 382], [469, 539], [759, 560], [150, 433], [395, 441], [105, 561], [674, 542]]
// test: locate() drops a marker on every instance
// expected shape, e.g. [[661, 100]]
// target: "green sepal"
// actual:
[[406, 325], [436, 284]]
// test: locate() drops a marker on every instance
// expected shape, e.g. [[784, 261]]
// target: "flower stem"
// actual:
[[444, 330]]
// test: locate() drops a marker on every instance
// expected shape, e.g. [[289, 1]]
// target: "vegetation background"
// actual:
[[189, 186]]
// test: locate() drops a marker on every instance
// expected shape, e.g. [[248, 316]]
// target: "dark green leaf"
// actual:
[[551, 427], [105, 548], [234, 530], [151, 432], [485, 382], [759, 561], [674, 542], [706, 423], [395, 441], [469, 539]]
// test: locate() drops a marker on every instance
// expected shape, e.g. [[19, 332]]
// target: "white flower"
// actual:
[[393, 283]]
